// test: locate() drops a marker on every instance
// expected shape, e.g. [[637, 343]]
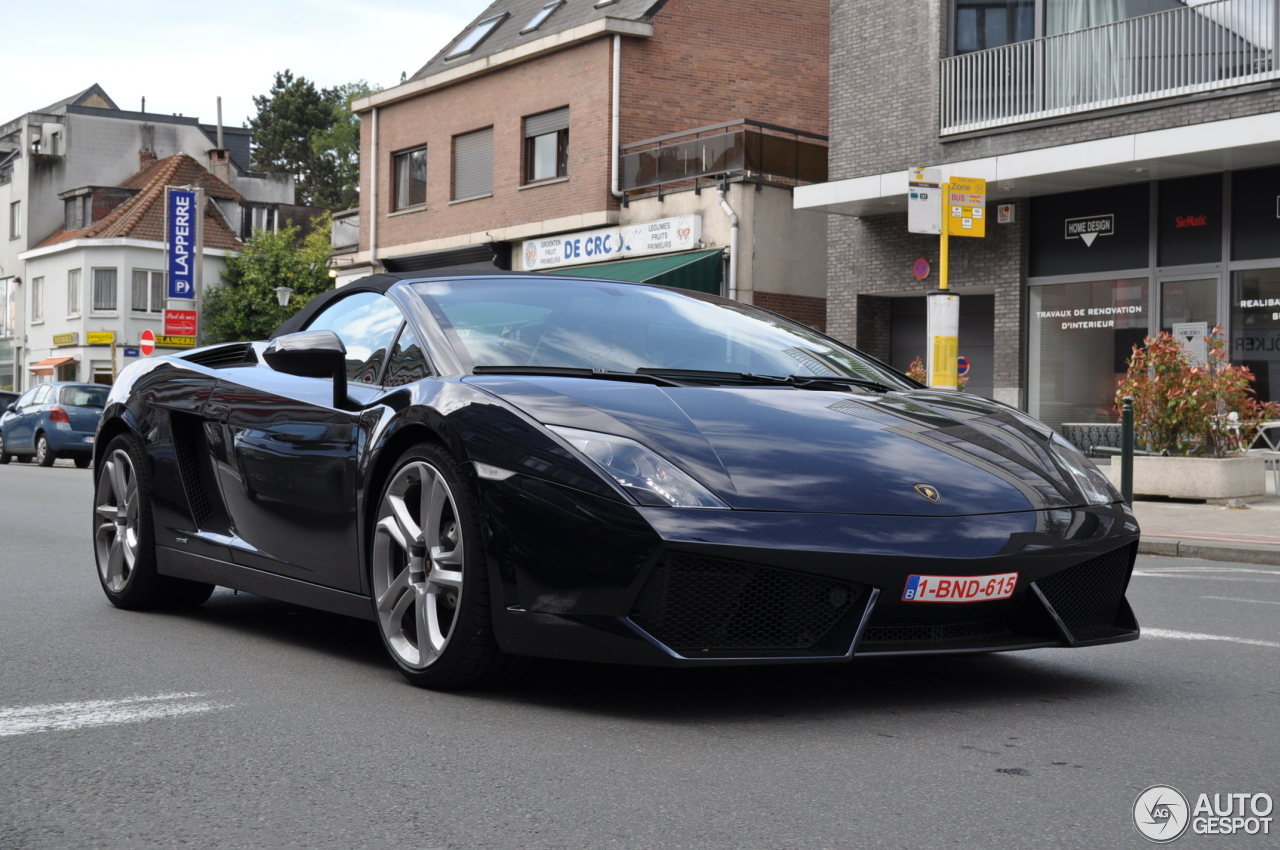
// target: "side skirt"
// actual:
[[179, 564]]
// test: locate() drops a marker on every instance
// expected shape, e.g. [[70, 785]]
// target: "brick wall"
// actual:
[[802, 308], [875, 254], [578, 77], [885, 90], [717, 60]]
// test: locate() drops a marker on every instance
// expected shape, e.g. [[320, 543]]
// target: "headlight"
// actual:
[[648, 477], [1097, 489]]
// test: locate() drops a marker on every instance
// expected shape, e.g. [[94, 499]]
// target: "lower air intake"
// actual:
[[691, 602], [1087, 597]]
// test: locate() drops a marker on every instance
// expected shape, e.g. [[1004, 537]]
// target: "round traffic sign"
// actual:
[[921, 268], [962, 366], [147, 342]]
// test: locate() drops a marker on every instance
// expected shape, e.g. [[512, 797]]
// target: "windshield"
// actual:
[[626, 327], [85, 396]]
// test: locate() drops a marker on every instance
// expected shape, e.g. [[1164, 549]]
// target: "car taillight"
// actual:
[[57, 414]]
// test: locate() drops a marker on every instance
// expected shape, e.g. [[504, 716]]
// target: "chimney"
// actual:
[[145, 158], [220, 165]]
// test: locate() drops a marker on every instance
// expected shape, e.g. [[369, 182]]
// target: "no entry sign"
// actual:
[[147, 342]]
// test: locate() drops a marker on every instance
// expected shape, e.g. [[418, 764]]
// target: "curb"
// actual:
[[1247, 553]]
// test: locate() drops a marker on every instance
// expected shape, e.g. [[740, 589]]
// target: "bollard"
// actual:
[[1126, 449]]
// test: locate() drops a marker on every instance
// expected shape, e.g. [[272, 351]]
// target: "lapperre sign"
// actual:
[[182, 242], [1090, 228], [682, 233]]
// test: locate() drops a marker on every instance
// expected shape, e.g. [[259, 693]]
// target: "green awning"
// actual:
[[700, 271]]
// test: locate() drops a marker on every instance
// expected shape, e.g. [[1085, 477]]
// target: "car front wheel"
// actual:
[[430, 588], [5, 457], [124, 540], [45, 456]]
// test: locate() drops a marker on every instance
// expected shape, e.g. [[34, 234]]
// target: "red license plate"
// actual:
[[959, 588]]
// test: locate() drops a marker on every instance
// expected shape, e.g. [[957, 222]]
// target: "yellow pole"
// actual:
[[945, 252]]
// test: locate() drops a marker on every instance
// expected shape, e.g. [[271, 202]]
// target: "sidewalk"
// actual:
[[1211, 532]]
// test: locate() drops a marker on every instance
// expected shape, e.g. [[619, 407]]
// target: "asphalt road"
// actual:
[[250, 723]]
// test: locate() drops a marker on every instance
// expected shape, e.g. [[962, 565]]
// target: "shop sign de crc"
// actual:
[[682, 233]]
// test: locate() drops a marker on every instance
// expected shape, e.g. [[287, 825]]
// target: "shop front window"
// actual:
[[1255, 323], [1081, 338]]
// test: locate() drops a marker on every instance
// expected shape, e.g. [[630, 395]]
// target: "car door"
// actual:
[[22, 428], [287, 459]]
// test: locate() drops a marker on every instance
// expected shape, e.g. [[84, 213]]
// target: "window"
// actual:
[[408, 361], [546, 145], [37, 299], [15, 219], [104, 289], [473, 165], [540, 18], [73, 218], [148, 291], [258, 218], [84, 396], [44, 394], [472, 39], [981, 24], [411, 178], [73, 292], [366, 323]]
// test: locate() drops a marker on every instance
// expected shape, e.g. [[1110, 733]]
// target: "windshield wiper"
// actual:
[[710, 375], [576, 372], [806, 381]]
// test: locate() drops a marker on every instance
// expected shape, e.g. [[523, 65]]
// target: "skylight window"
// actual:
[[542, 16], [472, 39]]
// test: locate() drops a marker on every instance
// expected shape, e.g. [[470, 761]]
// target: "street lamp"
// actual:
[[282, 295]]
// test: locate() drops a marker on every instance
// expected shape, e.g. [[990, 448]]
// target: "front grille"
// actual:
[[1087, 596], [943, 632], [691, 602]]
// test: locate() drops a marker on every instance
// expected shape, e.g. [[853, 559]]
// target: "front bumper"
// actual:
[[599, 581]]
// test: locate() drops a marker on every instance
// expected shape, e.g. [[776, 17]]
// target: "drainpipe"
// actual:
[[733, 244], [373, 196], [617, 85]]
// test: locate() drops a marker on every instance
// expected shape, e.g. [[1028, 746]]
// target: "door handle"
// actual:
[[217, 412]]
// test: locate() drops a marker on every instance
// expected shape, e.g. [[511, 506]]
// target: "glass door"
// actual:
[[1189, 311]]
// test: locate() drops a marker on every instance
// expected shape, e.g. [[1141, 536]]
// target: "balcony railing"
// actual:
[[1187, 50], [742, 148]]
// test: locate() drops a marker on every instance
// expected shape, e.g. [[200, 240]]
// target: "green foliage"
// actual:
[[339, 146], [1184, 409], [312, 134], [245, 306]]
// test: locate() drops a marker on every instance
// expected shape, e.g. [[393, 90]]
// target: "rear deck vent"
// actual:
[[692, 602], [227, 356]]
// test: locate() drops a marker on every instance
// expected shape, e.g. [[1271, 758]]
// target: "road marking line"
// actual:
[[1169, 633], [24, 720], [1144, 574], [1234, 599]]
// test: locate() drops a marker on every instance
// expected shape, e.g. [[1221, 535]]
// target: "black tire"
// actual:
[[45, 456], [138, 586], [23, 458], [470, 656], [82, 461], [4, 456]]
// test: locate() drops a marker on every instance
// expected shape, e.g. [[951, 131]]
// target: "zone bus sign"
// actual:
[[1090, 228]]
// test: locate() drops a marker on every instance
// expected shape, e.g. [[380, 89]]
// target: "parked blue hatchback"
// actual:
[[52, 421]]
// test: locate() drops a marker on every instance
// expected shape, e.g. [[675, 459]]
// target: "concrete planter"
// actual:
[[1213, 479]]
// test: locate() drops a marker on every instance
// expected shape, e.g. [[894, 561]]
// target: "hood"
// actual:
[[783, 449]]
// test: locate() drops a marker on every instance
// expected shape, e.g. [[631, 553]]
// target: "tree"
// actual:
[[244, 307], [339, 144], [288, 118]]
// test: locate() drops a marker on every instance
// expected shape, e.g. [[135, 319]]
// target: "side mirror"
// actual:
[[13, 408], [312, 354]]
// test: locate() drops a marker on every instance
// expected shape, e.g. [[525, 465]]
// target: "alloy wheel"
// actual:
[[115, 539], [418, 564], [42, 450]]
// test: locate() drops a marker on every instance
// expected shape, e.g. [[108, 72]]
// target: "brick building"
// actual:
[[579, 135], [1138, 144]]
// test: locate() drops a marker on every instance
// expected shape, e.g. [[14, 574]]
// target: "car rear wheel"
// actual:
[[124, 540], [45, 456], [430, 589], [82, 461]]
